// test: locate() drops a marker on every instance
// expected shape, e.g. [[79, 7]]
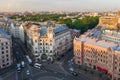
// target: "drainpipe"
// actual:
[[113, 66]]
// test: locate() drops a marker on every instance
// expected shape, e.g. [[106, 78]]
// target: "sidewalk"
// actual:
[[8, 69], [87, 71]]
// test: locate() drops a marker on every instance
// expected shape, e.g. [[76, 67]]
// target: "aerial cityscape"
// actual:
[[59, 40]]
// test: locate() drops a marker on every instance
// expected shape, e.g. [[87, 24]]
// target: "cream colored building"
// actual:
[[5, 50], [47, 41], [110, 22], [55, 41]]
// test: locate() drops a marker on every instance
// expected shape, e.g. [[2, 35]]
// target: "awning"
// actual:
[[99, 68], [104, 70]]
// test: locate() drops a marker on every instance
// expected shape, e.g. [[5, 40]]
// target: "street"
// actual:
[[58, 70]]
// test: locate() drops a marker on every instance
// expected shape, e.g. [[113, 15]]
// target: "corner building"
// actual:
[[5, 50], [101, 55], [49, 41]]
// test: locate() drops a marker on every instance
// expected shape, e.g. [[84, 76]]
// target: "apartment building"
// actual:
[[14, 29], [47, 41], [99, 54], [111, 35], [5, 50], [55, 41], [110, 22]]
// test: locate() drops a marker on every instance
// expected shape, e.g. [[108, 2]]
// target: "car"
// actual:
[[37, 65], [28, 72], [29, 60], [74, 73], [23, 64], [18, 67], [17, 52], [71, 69]]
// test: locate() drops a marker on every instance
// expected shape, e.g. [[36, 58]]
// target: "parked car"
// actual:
[[71, 69], [18, 67], [74, 73]]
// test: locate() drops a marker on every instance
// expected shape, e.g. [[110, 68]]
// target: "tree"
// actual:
[[79, 67], [100, 75], [92, 72], [108, 79], [85, 70]]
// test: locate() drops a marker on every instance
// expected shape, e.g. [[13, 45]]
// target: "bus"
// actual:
[[29, 60]]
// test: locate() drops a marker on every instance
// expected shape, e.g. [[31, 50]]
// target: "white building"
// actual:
[[47, 42], [5, 50], [21, 33], [54, 41], [14, 30], [111, 35]]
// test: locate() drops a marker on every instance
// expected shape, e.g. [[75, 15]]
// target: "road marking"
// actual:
[[22, 74], [16, 76]]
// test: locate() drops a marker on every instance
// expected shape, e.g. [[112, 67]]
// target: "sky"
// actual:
[[59, 5]]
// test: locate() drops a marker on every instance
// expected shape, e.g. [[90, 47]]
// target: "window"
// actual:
[[3, 65], [50, 40], [7, 59], [6, 43], [6, 51], [35, 41], [51, 51], [7, 64], [2, 52], [2, 48], [2, 44], [78, 62], [2, 56], [7, 47], [7, 55], [3, 61], [40, 43]]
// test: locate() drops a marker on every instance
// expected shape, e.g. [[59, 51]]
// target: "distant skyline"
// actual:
[[59, 5]]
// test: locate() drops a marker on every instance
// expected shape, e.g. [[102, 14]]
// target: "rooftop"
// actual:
[[4, 34], [101, 43], [59, 29]]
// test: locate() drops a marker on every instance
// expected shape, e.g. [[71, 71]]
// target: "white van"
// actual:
[[37, 65]]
